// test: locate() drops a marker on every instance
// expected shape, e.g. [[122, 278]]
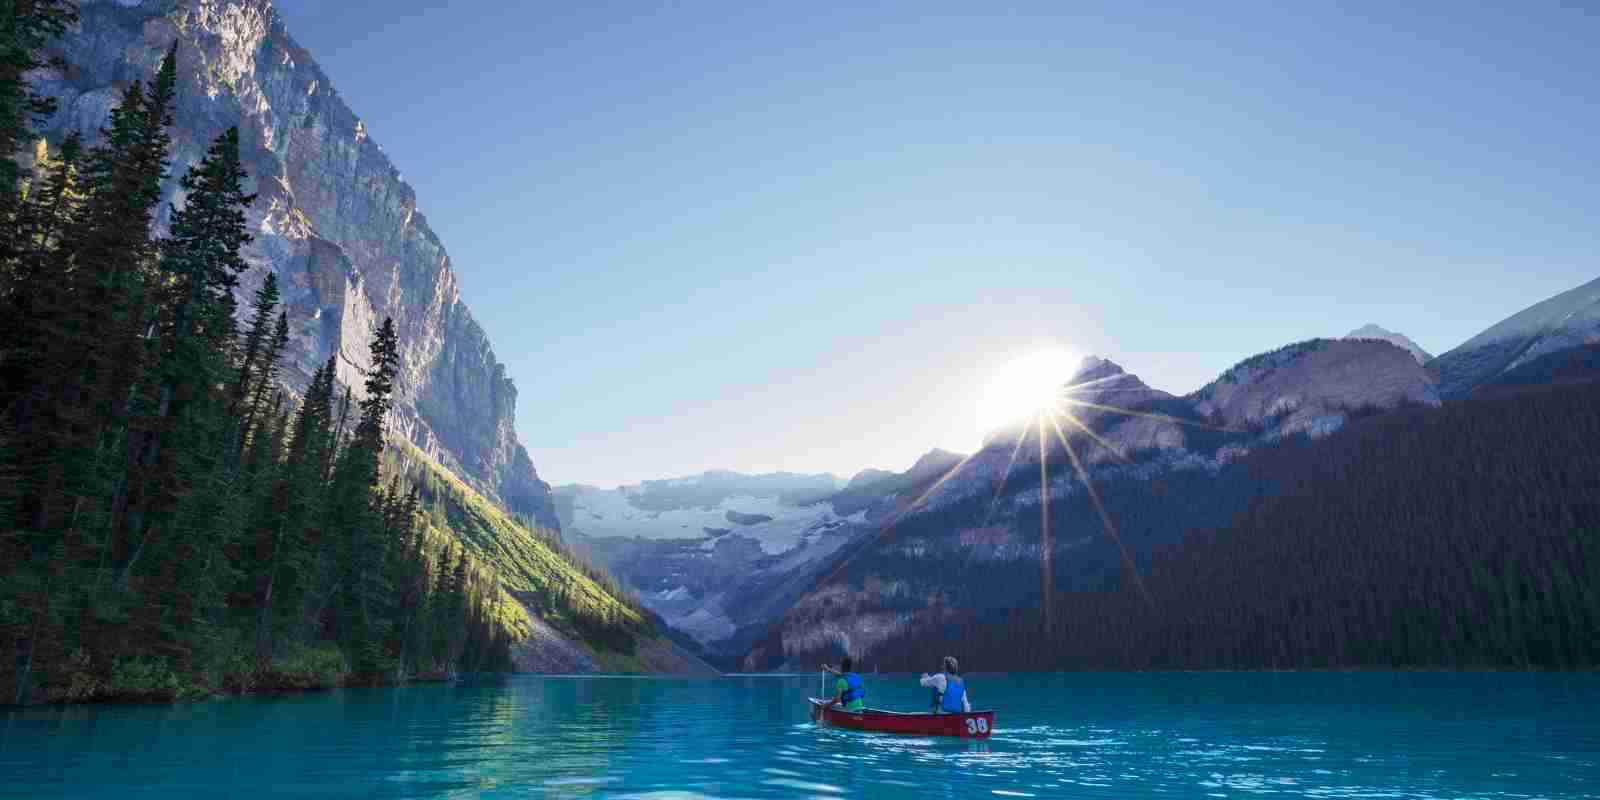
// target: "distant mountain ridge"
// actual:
[[771, 601], [709, 553], [986, 514], [1568, 320], [725, 584]]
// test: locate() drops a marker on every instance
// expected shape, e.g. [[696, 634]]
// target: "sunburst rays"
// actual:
[[1100, 508], [1069, 399]]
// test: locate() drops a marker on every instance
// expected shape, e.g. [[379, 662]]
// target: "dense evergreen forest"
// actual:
[[1466, 536], [171, 522]]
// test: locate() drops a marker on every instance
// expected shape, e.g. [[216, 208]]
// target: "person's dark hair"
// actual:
[[845, 664]]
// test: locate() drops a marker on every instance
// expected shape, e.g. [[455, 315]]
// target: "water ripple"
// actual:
[[1410, 737]]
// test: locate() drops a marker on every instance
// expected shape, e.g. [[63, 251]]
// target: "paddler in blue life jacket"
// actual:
[[949, 688], [850, 690]]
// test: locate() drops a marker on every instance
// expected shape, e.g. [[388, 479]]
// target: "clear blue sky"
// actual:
[[788, 237]]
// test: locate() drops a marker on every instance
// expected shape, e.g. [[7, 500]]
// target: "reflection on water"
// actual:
[[1093, 736]]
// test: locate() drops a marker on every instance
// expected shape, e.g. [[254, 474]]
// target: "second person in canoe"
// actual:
[[949, 688]]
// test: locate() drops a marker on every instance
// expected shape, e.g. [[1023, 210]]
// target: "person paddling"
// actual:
[[949, 688], [851, 692]]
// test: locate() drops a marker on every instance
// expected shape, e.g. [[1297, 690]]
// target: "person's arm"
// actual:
[[830, 670], [966, 702], [933, 682]]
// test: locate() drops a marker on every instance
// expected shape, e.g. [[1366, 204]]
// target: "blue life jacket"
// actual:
[[954, 690], [854, 690]]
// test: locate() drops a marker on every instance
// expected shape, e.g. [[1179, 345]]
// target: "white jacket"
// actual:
[[939, 682]]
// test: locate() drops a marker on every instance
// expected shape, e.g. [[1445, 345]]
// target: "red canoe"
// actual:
[[973, 725]]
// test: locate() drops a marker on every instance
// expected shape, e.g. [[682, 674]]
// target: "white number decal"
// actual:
[[977, 725], [983, 725], [972, 726]]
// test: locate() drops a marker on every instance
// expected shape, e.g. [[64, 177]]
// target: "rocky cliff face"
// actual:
[[333, 219], [1313, 386]]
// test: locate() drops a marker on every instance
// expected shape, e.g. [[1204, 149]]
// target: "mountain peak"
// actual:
[[1371, 331], [1098, 379], [867, 476], [1094, 368], [934, 462]]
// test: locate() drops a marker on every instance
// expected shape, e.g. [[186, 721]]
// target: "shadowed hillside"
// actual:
[[1465, 536]]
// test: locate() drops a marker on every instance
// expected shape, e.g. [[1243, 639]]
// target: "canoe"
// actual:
[[972, 725]]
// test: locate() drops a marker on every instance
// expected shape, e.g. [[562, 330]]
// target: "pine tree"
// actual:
[[305, 499], [263, 304], [336, 443], [30, 273], [42, 216], [190, 512], [278, 555], [25, 29], [364, 590], [267, 368]]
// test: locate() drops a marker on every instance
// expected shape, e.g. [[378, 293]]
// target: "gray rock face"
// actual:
[[1570, 319], [1311, 386], [333, 219]]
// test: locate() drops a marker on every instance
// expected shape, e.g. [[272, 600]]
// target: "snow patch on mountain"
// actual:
[[618, 513], [1570, 319], [1370, 331]]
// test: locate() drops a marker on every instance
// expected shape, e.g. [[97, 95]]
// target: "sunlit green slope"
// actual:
[[531, 565]]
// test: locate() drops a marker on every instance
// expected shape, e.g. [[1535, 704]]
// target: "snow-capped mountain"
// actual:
[[1568, 320], [711, 553], [775, 510], [1400, 340]]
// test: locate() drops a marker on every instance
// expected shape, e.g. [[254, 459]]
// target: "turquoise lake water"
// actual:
[[1078, 735]]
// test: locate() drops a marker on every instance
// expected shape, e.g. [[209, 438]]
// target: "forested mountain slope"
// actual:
[[578, 618], [1570, 319], [172, 522], [1462, 536], [332, 218]]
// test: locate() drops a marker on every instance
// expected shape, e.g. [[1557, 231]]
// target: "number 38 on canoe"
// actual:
[[970, 725]]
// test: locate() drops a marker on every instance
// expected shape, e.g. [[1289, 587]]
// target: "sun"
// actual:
[[1022, 387]]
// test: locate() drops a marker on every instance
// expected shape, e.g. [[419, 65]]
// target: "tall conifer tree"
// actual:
[[26, 27], [262, 306]]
